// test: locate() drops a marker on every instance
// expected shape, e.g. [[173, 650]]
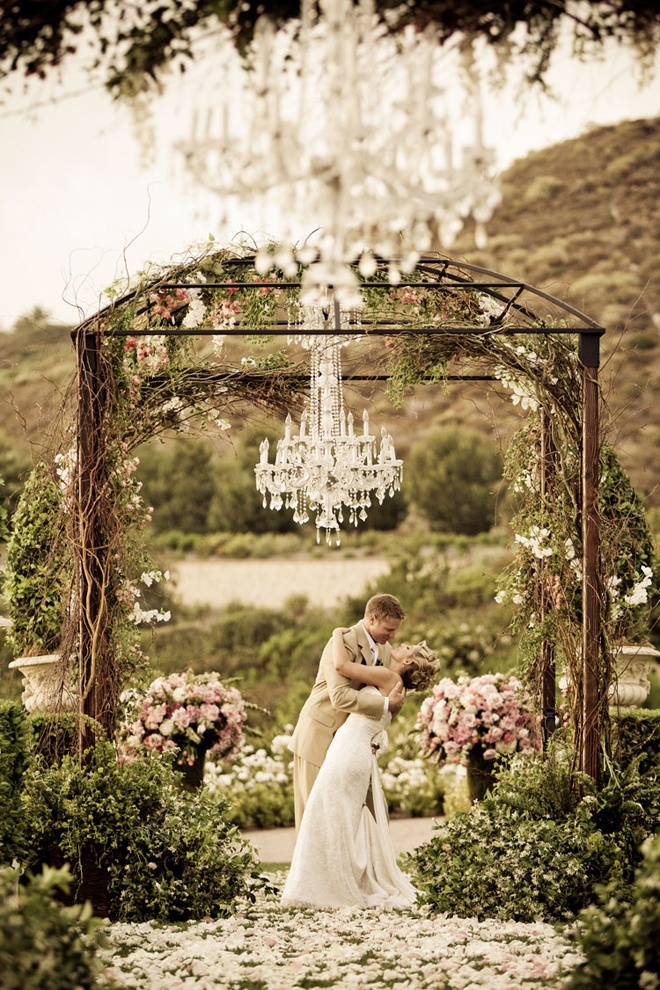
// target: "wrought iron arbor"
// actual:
[[518, 306]]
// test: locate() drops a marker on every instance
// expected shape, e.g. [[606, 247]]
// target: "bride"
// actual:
[[344, 855]]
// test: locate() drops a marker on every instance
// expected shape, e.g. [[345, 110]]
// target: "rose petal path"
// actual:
[[264, 947]]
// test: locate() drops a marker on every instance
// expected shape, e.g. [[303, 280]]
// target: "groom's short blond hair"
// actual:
[[384, 607]]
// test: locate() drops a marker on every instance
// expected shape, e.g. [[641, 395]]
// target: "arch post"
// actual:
[[548, 669], [90, 547], [589, 355]]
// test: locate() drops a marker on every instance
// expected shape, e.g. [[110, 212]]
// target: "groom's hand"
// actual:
[[397, 696]]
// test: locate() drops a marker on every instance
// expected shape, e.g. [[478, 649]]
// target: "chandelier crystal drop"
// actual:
[[327, 467], [355, 134]]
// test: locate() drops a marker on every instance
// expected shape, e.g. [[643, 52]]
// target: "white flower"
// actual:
[[196, 310], [535, 540], [639, 594]]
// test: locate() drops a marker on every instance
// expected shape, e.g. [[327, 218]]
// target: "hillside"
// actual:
[[580, 220]]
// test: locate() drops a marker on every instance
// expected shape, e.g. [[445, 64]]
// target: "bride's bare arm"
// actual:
[[380, 677]]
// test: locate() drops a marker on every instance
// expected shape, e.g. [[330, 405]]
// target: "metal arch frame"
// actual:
[[442, 274]]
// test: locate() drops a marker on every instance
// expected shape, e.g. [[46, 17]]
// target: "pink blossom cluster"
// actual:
[[189, 712], [265, 289], [164, 302], [491, 712], [225, 313], [146, 354]]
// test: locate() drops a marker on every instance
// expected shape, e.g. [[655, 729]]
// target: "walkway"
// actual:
[[276, 845]]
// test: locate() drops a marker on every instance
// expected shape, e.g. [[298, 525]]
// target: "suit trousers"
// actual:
[[304, 775]]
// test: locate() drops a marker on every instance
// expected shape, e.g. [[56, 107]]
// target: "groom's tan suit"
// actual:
[[332, 699]]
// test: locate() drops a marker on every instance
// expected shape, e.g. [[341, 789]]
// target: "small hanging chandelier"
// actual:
[[327, 467]]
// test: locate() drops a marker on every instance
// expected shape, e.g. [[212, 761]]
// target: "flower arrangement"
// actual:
[[193, 713], [490, 714]]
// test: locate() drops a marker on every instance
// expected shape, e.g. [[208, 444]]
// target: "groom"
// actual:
[[333, 697]]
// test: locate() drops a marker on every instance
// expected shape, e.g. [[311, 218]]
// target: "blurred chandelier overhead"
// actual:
[[348, 128], [326, 467]]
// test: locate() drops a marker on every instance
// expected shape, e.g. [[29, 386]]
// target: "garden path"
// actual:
[[276, 845], [264, 947]]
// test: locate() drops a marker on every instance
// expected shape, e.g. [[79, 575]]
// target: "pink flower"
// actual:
[[185, 711], [491, 712]]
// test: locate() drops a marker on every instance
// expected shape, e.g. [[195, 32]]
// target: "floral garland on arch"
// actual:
[[153, 384]]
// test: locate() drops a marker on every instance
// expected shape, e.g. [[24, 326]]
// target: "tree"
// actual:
[[452, 476], [136, 44], [179, 482], [237, 505]]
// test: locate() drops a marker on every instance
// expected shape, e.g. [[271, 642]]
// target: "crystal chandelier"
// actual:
[[351, 131], [327, 467]]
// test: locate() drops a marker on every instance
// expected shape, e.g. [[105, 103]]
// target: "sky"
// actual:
[[80, 207]]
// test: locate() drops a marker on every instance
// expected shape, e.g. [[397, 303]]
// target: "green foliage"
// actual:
[[452, 476], [492, 863], [136, 57], [179, 480], [241, 631], [257, 788], [4, 532], [15, 467], [636, 736], [535, 848], [170, 855], [38, 567], [44, 946], [56, 734], [237, 505], [618, 936], [15, 746], [224, 495]]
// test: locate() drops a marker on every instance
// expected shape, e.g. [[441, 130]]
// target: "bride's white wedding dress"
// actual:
[[344, 855]]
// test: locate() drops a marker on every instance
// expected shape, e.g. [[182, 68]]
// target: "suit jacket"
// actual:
[[334, 697]]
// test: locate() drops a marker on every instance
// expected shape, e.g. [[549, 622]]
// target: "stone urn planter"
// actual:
[[630, 681], [43, 689]]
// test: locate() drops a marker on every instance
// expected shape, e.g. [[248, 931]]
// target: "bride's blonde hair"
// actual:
[[424, 669]]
